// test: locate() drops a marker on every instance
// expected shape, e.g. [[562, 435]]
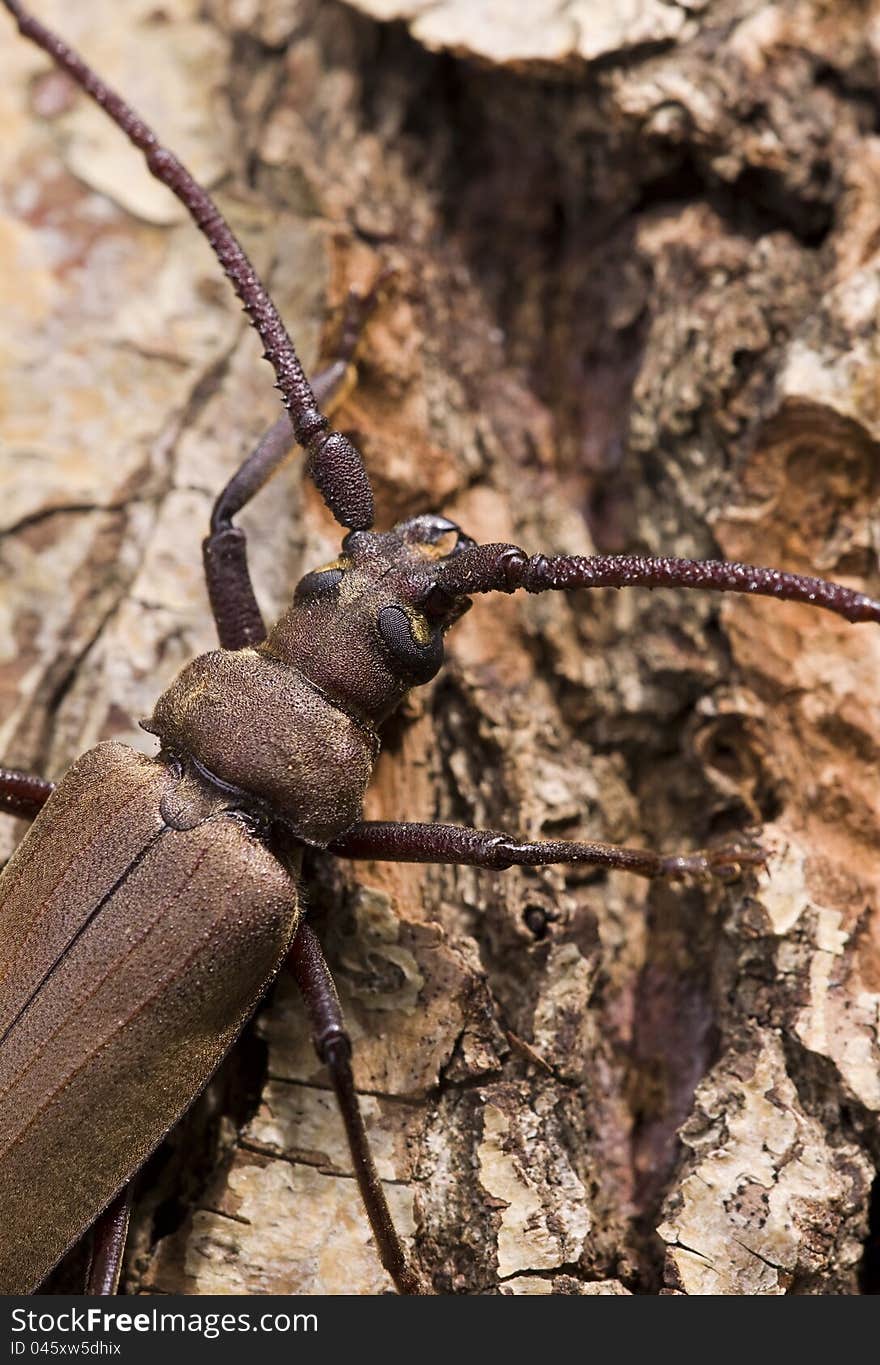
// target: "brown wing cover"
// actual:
[[131, 954]]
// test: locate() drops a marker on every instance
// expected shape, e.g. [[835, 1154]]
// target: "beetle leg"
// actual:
[[23, 794], [333, 1046], [108, 1238], [224, 551], [460, 845]]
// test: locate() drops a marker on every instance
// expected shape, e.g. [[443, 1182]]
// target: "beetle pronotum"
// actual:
[[469, 571]]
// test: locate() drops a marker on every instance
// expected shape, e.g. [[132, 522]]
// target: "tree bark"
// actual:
[[634, 305]]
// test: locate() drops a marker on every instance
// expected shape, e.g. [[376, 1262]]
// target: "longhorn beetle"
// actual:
[[153, 900]]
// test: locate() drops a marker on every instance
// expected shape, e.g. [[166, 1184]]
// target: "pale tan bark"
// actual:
[[634, 305]]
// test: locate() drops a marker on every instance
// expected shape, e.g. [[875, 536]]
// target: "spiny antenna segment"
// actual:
[[333, 463], [504, 568]]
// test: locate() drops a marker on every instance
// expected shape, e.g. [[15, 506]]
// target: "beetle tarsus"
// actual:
[[725, 864]]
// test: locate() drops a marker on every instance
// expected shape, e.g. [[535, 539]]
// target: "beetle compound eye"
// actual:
[[320, 582], [416, 649]]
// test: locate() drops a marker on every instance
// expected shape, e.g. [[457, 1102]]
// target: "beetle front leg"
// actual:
[[333, 1046], [23, 794], [224, 551], [464, 847]]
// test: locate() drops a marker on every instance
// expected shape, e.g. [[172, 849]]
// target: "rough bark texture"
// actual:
[[635, 305]]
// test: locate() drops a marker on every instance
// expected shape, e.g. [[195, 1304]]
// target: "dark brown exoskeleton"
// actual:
[[154, 899]]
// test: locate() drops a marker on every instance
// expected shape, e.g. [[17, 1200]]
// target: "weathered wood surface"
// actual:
[[635, 305]]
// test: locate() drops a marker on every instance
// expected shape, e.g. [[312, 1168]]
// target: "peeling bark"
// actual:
[[634, 304]]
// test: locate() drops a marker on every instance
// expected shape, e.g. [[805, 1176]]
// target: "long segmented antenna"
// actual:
[[504, 568], [333, 463]]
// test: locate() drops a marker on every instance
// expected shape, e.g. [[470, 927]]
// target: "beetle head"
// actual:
[[370, 625]]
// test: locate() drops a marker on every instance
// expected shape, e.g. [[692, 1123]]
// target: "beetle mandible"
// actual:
[[360, 638]]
